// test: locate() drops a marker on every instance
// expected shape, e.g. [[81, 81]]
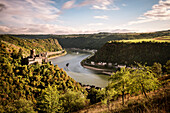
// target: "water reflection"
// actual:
[[79, 73]]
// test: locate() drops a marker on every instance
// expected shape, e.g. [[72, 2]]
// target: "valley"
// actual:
[[103, 77]]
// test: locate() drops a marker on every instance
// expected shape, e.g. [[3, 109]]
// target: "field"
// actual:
[[158, 39]]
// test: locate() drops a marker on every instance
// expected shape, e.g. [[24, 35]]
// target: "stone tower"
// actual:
[[32, 55]]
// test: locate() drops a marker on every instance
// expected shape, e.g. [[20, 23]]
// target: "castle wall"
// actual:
[[40, 58], [52, 53]]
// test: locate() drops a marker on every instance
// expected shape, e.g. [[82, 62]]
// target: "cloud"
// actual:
[[22, 12], [4, 29], [48, 29], [117, 30], [85, 3], [104, 5], [124, 5], [99, 4], [37, 29], [30, 17], [2, 7], [101, 17], [160, 11], [68, 5], [95, 24], [122, 31]]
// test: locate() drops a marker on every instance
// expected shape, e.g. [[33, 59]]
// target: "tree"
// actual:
[[167, 66], [20, 53], [92, 95], [142, 80], [20, 106], [73, 101], [49, 101], [157, 69], [119, 81], [107, 95]]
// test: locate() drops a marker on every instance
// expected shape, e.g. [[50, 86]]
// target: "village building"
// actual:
[[110, 65], [92, 63]]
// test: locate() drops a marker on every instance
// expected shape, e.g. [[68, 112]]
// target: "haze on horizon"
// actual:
[[83, 16]]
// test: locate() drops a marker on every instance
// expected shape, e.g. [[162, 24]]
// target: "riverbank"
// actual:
[[99, 70], [58, 55]]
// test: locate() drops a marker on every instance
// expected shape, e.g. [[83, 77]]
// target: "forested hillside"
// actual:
[[95, 41], [30, 88], [41, 45], [130, 52]]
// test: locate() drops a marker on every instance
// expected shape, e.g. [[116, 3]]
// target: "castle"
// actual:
[[42, 57], [37, 58]]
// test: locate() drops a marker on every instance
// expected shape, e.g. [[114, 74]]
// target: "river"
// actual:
[[79, 73]]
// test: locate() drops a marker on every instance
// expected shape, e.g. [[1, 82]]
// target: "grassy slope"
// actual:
[[158, 102]]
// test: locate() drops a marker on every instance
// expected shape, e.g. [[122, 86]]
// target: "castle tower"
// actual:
[[32, 53]]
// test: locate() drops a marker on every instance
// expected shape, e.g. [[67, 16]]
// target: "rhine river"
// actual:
[[79, 73]]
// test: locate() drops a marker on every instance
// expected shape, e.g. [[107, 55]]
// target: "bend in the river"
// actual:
[[79, 73]]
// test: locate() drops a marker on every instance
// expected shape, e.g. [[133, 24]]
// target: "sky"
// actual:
[[83, 16]]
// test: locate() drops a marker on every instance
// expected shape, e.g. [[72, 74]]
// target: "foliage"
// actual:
[[119, 81], [20, 106], [128, 53], [49, 101], [108, 94], [133, 81], [92, 95], [30, 81], [142, 80], [157, 69], [41, 45], [167, 66], [73, 101]]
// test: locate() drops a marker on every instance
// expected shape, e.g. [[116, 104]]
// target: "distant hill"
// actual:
[[95, 41]]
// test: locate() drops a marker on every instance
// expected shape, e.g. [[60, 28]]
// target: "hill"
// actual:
[[128, 52], [95, 41], [40, 45], [30, 88]]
